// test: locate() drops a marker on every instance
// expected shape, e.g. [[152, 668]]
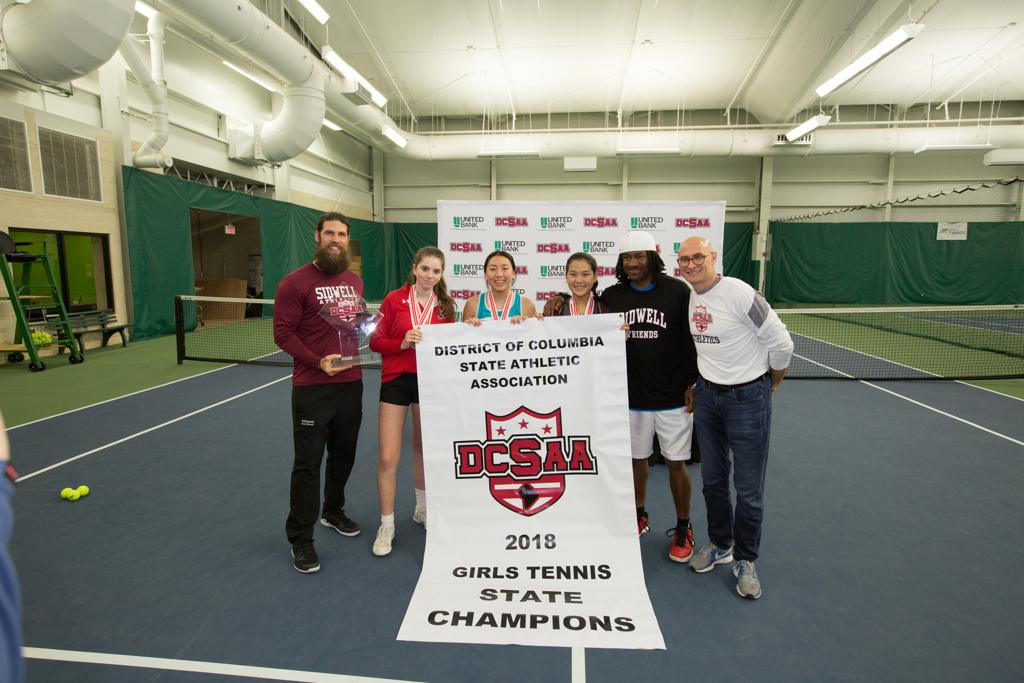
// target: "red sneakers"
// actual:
[[641, 523], [681, 549]]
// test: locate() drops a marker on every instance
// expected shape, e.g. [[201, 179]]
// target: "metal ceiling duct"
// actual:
[[151, 155], [56, 41], [246, 29]]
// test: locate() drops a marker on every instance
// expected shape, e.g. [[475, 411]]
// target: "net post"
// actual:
[[179, 328]]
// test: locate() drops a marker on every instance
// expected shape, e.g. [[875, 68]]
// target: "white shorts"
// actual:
[[673, 426]]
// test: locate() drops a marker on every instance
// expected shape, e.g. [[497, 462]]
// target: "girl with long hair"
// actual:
[[424, 300]]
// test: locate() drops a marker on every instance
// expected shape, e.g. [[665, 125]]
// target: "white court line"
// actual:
[[197, 667], [151, 429], [966, 383], [579, 665], [918, 403], [118, 398]]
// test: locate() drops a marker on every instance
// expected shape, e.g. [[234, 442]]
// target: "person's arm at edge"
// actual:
[[772, 333], [469, 311], [382, 339], [287, 313]]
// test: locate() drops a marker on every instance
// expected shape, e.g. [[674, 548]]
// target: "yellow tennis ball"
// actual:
[[65, 492], [83, 490], [74, 495]]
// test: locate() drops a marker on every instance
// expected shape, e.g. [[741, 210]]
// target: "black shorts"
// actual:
[[401, 391]]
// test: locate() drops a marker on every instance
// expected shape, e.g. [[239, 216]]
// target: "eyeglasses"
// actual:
[[697, 259]]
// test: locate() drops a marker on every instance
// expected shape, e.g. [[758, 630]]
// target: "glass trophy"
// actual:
[[354, 322]]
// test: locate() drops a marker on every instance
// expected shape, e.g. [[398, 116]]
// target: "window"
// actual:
[[71, 165], [14, 168], [80, 263]]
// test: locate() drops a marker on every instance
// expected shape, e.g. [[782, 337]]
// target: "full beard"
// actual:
[[332, 264]]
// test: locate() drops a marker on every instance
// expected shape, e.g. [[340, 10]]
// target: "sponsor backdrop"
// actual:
[[542, 235], [531, 528]]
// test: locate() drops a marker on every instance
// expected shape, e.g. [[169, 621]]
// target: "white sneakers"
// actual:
[[420, 516], [385, 536]]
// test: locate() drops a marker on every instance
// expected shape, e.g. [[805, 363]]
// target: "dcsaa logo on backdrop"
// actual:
[[598, 247], [468, 223], [510, 246], [525, 459], [552, 271], [544, 296], [693, 222], [600, 222], [511, 222], [556, 223], [465, 247], [552, 248], [463, 294], [646, 222], [606, 271]]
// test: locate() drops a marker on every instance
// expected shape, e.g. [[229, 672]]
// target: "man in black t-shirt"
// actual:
[[661, 362]]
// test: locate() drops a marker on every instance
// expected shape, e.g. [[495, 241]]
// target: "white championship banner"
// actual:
[[531, 527], [540, 236]]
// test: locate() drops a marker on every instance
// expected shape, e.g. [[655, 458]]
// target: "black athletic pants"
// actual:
[[322, 415]]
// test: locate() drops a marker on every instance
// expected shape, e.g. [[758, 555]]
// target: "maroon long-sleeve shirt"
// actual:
[[305, 298]]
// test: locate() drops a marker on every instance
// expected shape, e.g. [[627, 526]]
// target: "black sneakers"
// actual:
[[340, 523], [304, 558]]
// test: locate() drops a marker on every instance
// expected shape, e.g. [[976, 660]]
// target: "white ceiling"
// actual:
[[535, 57]]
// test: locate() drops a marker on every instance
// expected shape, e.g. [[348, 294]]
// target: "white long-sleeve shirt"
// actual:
[[737, 334]]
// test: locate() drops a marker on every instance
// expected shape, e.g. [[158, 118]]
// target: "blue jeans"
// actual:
[[738, 419]]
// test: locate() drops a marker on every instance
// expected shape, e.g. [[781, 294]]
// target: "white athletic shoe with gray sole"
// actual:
[[385, 537]]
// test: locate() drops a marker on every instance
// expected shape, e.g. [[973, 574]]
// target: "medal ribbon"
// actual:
[[493, 307], [420, 316], [590, 306]]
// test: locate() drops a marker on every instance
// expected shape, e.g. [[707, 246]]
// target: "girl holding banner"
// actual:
[[422, 301], [500, 301]]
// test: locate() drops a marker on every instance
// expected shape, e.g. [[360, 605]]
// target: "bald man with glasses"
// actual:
[[743, 351]]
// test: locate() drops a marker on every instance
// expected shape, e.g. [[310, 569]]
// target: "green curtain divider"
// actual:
[[736, 251], [895, 263]]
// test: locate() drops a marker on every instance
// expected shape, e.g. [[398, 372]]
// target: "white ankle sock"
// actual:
[[421, 499], [387, 520]]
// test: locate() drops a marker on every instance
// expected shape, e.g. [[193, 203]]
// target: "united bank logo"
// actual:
[[468, 223], [510, 246], [600, 222], [556, 222], [598, 247], [552, 271], [525, 458], [467, 269], [465, 247], [693, 222], [646, 222], [511, 222]]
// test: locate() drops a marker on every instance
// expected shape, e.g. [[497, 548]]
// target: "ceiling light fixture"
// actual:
[[144, 9], [514, 153], [258, 81], [807, 126], [646, 151], [331, 124], [890, 43], [343, 67], [927, 147], [392, 134], [314, 8]]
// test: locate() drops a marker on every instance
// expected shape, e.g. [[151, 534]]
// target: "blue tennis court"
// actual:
[[886, 556]]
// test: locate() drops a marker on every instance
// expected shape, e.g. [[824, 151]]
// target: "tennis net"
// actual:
[[882, 343], [229, 330], [927, 342]]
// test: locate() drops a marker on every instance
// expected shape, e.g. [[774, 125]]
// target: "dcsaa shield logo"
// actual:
[[525, 458], [701, 318]]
